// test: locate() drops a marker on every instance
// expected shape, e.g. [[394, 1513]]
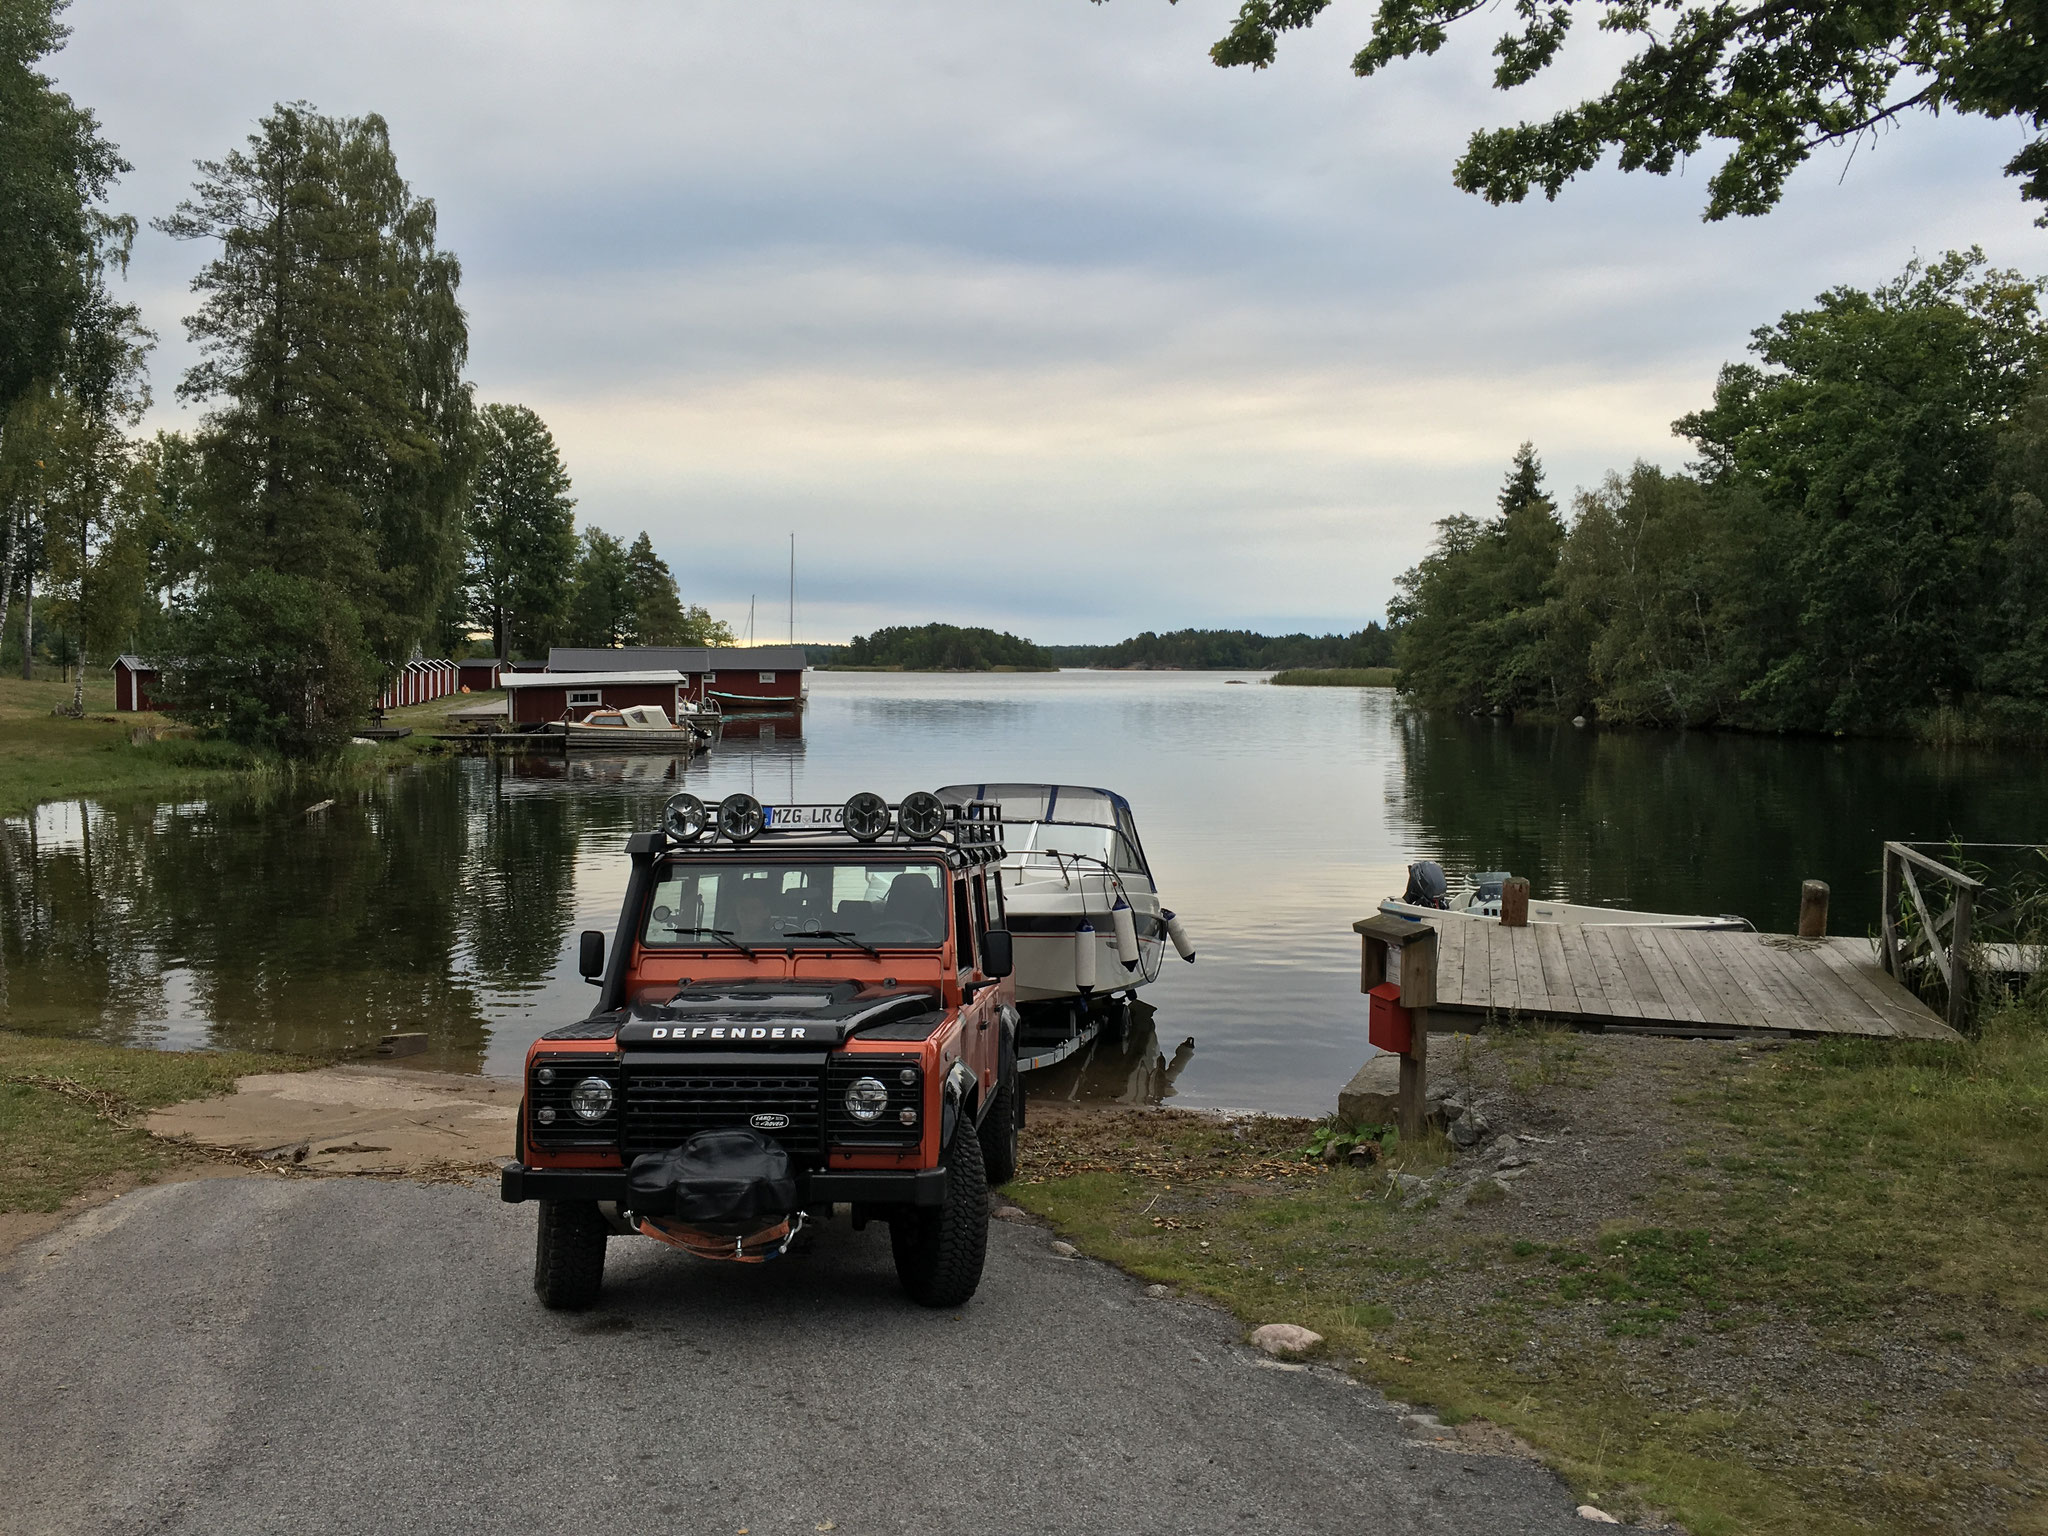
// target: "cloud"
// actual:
[[1021, 315]]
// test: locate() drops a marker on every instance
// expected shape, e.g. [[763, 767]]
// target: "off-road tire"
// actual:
[[999, 1130], [568, 1254], [939, 1253]]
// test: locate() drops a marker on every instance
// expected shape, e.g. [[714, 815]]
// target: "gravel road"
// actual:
[[345, 1356]]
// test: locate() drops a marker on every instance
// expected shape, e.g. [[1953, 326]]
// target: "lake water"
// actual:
[[448, 899]]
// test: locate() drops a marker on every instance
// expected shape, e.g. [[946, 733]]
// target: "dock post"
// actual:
[[1514, 903], [1414, 946], [1813, 910]]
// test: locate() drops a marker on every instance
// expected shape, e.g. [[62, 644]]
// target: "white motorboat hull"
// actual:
[[1045, 938], [612, 738], [1463, 906]]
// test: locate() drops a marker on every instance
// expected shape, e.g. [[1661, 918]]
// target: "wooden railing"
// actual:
[[1943, 934]]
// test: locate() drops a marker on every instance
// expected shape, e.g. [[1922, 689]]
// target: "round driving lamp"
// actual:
[[866, 816], [684, 818], [921, 814], [591, 1099], [867, 1098], [740, 817]]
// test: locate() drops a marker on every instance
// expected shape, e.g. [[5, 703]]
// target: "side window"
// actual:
[[963, 932], [767, 677], [581, 696], [1126, 856]]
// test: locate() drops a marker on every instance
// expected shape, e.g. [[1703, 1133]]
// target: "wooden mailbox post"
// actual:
[[1414, 970]]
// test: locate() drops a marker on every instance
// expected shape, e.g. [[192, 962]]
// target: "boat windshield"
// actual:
[[1100, 843], [813, 901]]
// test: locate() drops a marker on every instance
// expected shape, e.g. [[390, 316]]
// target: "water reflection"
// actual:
[[447, 900]]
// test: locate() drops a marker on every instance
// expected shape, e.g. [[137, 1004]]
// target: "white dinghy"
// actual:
[[1428, 896], [1082, 908]]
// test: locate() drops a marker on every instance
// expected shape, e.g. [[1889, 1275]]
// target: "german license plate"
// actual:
[[796, 818]]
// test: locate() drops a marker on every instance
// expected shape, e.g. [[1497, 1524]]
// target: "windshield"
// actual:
[[875, 901]]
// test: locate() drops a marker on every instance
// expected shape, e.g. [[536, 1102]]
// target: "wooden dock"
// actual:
[[1676, 981]]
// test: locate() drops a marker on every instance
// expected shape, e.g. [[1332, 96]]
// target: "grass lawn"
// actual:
[[1336, 677], [1802, 1291], [68, 1111], [46, 756]]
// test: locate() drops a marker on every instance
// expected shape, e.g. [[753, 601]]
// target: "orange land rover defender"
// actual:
[[805, 1007]]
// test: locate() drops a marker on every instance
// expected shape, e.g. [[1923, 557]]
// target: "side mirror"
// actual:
[[590, 958], [996, 958]]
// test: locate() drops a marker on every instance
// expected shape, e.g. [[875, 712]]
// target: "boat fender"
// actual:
[[1182, 944], [1126, 933], [1084, 958]]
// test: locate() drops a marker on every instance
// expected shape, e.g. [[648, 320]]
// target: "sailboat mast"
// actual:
[[792, 588]]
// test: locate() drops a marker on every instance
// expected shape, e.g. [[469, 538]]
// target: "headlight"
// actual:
[[866, 1098], [866, 816], [684, 817], [591, 1099]]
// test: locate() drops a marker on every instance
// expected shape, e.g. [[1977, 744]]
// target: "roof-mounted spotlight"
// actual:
[[684, 818], [921, 815], [740, 817], [866, 816]]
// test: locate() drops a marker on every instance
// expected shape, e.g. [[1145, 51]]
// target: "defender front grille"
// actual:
[[667, 1105]]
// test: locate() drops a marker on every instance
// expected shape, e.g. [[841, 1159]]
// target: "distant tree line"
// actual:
[[935, 648], [344, 503], [1234, 650], [1861, 546], [947, 648]]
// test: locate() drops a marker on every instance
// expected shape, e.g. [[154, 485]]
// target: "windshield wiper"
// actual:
[[841, 933], [723, 935]]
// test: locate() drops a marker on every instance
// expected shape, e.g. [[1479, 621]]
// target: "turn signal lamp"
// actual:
[[685, 818], [740, 817], [866, 816]]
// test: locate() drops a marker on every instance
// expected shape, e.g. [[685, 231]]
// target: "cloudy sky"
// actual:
[[1020, 312]]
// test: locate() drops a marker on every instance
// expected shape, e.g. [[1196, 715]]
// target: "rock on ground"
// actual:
[[1285, 1339]]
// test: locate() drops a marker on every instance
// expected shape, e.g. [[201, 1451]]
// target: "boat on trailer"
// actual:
[[1087, 925], [1429, 896]]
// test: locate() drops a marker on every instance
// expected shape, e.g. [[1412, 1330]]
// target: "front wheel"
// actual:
[[568, 1254], [999, 1130], [939, 1254]]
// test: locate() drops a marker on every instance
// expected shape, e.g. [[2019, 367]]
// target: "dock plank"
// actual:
[[1737, 1005], [1826, 991], [1765, 1001], [1450, 961], [1705, 998], [1557, 977], [1645, 999], [1590, 996], [1862, 974], [1665, 974], [1613, 985], [1533, 994], [1504, 994]]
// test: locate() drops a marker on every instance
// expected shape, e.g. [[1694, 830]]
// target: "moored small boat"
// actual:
[[1428, 897], [637, 728]]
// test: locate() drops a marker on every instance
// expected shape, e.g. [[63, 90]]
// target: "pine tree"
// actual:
[[601, 610], [522, 534], [339, 448], [658, 617]]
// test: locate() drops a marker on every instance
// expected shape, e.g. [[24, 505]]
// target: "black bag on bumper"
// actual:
[[736, 1181]]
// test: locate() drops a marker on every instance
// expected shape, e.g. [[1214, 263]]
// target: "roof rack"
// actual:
[[968, 833]]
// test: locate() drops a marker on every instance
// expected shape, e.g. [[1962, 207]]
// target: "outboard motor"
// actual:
[[1426, 885]]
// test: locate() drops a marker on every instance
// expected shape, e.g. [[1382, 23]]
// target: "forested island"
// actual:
[[946, 648], [1861, 545]]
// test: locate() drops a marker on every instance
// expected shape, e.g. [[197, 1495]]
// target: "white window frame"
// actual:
[[767, 677], [710, 677], [581, 697]]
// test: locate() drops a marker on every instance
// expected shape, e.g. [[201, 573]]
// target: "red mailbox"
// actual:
[[1388, 1025]]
